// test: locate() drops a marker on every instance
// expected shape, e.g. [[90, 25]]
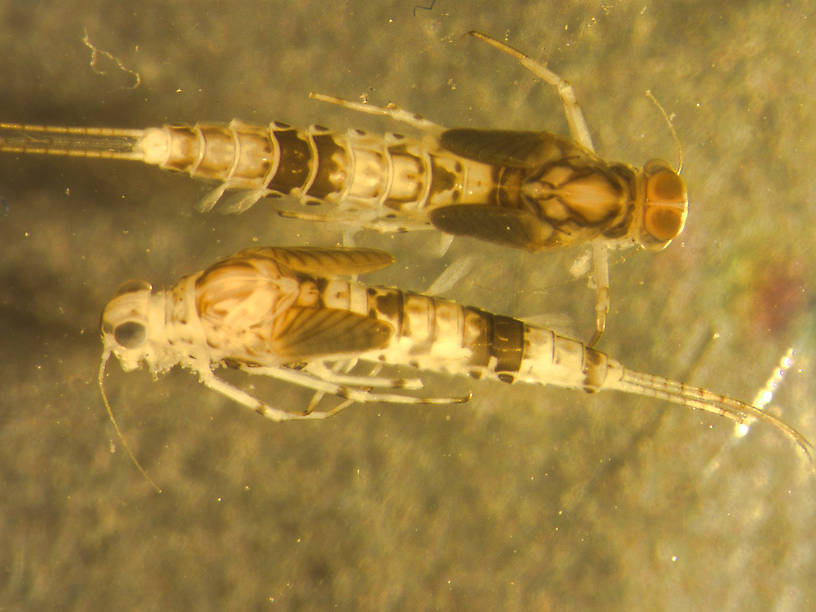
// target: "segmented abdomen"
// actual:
[[355, 170], [440, 335]]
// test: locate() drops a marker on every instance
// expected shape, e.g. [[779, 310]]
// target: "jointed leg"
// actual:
[[451, 275], [304, 379], [211, 381], [358, 222], [600, 278], [580, 132], [339, 376], [392, 110], [575, 116]]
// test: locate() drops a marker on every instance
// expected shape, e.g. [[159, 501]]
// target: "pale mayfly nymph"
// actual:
[[523, 189], [286, 313]]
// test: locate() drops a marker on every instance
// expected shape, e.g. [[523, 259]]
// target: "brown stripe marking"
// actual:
[[295, 158], [508, 343]]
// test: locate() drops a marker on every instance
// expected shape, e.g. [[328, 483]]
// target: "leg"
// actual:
[[211, 381], [580, 132], [319, 370], [318, 396], [600, 278], [376, 224], [575, 116], [332, 374], [304, 379], [392, 110], [451, 275]]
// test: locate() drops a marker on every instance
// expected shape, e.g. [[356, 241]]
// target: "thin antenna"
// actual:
[[102, 366], [659, 106]]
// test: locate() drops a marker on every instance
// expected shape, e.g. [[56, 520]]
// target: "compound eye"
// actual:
[[666, 186], [666, 203], [664, 224], [130, 335]]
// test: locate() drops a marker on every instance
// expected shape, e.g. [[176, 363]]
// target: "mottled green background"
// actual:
[[526, 498]]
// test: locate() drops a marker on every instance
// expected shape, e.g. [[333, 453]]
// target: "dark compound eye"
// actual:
[[130, 335]]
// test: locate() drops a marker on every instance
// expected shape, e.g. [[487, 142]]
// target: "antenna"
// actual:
[[102, 366]]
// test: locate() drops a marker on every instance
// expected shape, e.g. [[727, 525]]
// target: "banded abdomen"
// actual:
[[429, 333]]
